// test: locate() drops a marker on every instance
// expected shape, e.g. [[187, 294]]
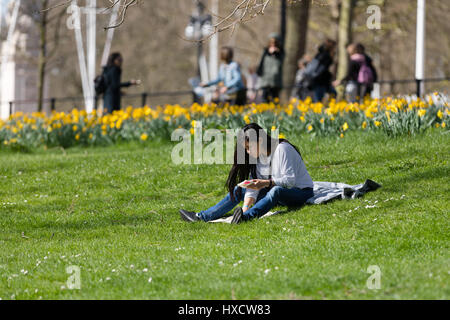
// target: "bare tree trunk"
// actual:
[[335, 9], [42, 56], [296, 37], [345, 35]]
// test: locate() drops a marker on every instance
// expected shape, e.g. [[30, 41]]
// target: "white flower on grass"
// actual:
[[108, 278], [132, 266], [150, 280], [266, 271], [113, 270], [145, 270]]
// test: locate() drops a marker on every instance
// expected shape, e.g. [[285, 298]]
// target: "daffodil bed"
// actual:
[[393, 116], [112, 212]]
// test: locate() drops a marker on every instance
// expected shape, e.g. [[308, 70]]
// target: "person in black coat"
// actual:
[[321, 84], [112, 75]]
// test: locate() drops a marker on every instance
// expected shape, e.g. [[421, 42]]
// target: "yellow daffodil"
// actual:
[[345, 126]]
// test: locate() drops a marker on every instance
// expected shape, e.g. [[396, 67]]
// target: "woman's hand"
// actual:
[[258, 184], [223, 90]]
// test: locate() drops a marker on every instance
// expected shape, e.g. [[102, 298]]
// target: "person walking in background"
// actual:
[[252, 85], [231, 86], [300, 91], [112, 76], [367, 88], [359, 78], [270, 69], [318, 77]]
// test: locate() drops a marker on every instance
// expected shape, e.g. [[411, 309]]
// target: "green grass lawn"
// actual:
[[114, 213]]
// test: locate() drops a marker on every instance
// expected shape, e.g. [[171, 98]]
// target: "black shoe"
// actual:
[[189, 216], [237, 216]]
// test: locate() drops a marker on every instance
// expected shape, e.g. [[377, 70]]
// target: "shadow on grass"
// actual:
[[416, 177]]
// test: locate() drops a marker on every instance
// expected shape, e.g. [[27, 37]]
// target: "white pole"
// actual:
[[110, 33], [1, 17], [5, 112], [91, 50], [80, 50], [420, 46], [12, 27], [214, 43]]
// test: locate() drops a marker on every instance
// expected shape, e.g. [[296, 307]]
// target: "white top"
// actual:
[[288, 170]]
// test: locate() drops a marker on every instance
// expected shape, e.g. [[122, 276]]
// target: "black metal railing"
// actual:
[[143, 97]]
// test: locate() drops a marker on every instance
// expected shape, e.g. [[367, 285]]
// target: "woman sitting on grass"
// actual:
[[279, 177]]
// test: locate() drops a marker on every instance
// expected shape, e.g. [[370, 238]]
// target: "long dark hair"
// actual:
[[242, 171], [112, 58]]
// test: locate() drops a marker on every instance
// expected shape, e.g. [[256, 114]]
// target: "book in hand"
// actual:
[[245, 183]]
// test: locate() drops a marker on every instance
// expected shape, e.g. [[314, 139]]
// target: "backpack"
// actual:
[[100, 84], [365, 75]]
